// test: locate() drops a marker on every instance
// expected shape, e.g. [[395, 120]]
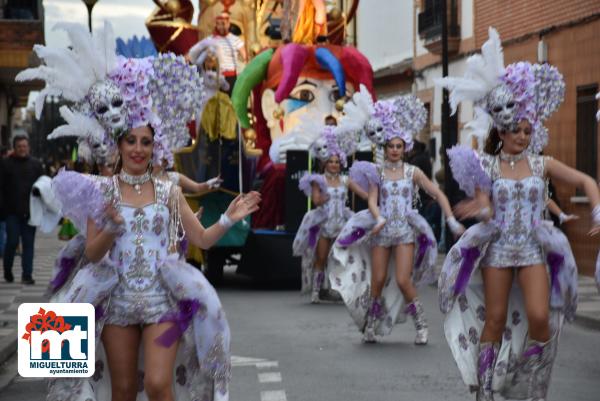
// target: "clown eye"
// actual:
[[379, 129], [117, 102], [303, 95], [510, 105], [101, 109], [96, 145], [497, 109]]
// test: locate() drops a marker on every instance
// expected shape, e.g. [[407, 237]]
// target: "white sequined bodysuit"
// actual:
[[335, 207], [518, 208], [395, 201], [140, 297]]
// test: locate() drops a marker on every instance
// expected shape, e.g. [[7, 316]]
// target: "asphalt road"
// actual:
[[286, 349]]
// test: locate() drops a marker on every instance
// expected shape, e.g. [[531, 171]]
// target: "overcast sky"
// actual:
[[127, 17]]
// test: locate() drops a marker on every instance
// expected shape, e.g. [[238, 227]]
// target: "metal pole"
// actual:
[[449, 134], [89, 8]]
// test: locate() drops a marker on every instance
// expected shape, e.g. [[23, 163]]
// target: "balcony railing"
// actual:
[[430, 25]]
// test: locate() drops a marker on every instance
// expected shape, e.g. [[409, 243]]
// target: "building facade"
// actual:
[[562, 34]]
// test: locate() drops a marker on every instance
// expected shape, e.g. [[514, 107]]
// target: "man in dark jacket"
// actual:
[[19, 173]]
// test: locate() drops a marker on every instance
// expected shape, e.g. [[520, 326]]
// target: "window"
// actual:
[[587, 136]]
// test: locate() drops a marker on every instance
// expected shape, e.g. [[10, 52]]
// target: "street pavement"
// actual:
[[287, 349]]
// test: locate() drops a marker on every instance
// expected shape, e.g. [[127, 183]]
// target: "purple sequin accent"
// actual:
[[187, 308], [313, 234], [555, 260], [66, 266], [486, 359], [533, 350], [411, 309], [354, 236], [469, 256], [424, 242], [376, 309], [99, 312]]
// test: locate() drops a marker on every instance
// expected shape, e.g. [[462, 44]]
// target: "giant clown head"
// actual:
[[296, 81]]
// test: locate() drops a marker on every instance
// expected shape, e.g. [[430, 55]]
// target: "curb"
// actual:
[[587, 322]]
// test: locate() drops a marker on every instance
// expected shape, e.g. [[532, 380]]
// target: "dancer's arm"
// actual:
[[434, 191], [557, 211], [373, 199], [317, 196], [98, 242], [191, 186], [560, 172], [239, 208]]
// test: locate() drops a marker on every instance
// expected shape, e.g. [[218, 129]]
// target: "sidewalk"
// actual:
[[14, 294]]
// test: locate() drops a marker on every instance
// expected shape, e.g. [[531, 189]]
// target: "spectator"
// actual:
[[3, 154], [20, 171]]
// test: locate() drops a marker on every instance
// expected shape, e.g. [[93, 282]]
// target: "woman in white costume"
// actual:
[[161, 331], [329, 193], [510, 281], [384, 252]]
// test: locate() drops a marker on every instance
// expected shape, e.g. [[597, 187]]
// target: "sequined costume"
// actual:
[[350, 272], [143, 280], [516, 236], [325, 221]]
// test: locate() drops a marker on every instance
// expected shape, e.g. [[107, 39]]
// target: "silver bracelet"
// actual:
[[112, 227], [485, 213], [562, 217], [596, 215], [454, 225], [225, 221]]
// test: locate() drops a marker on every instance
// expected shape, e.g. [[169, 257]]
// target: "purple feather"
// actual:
[[313, 234], [486, 359], [467, 170], [305, 183], [354, 236], [364, 174], [66, 266], [424, 242], [186, 309], [555, 261], [469, 256]]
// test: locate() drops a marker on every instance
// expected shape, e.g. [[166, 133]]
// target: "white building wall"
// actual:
[[385, 32]]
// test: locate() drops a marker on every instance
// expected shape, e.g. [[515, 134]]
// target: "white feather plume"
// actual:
[[480, 126], [71, 72], [78, 125], [482, 74], [358, 111]]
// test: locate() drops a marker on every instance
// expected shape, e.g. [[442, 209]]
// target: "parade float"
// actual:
[[269, 65]]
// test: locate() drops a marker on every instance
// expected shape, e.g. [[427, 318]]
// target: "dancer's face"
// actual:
[[518, 140], [333, 165], [394, 150], [136, 150]]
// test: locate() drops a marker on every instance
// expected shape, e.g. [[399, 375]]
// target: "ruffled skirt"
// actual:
[[350, 269], [461, 297], [202, 369], [313, 226]]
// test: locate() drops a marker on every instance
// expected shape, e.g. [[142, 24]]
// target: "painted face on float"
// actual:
[[313, 97], [108, 105], [502, 107]]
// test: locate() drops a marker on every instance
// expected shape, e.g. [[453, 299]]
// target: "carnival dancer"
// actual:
[[510, 281], [328, 191], [390, 239], [152, 308]]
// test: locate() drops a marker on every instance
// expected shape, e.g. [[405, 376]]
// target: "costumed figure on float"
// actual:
[[508, 284], [292, 83], [161, 331], [379, 289], [328, 191]]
